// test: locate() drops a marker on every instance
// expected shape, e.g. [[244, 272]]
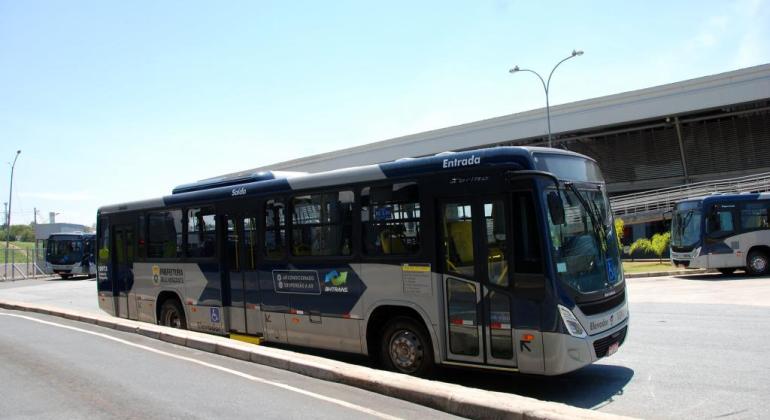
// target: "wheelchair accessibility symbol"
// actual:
[[214, 312]]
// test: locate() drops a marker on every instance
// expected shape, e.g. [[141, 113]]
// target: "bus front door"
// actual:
[[123, 267], [475, 242]]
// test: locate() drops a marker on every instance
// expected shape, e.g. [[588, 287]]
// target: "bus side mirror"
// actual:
[[555, 208]]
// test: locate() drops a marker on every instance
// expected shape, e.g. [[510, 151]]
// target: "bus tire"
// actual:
[[757, 263], [65, 276], [727, 271], [172, 314], [405, 347]]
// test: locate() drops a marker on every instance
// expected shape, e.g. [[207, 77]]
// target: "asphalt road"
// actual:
[[55, 368], [696, 349]]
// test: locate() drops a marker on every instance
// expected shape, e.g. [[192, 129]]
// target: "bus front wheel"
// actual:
[[172, 315], [757, 263], [406, 347]]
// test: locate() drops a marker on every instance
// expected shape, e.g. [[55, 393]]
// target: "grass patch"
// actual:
[[648, 266], [18, 251]]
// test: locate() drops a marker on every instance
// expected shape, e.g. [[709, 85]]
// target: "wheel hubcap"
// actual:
[[406, 351], [759, 264], [172, 320]]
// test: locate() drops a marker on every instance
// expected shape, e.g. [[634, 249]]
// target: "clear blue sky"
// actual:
[[116, 101]]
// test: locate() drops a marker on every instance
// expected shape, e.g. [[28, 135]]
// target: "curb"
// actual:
[[450, 398], [667, 273]]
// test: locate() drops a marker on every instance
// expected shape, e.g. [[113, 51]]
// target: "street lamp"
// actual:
[[546, 87], [8, 215]]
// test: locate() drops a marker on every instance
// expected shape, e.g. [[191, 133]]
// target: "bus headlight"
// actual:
[[572, 324]]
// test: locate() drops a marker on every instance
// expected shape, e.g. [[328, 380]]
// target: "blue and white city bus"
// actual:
[[722, 231], [70, 254], [502, 258]]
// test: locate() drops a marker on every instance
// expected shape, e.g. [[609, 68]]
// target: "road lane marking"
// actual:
[[219, 368]]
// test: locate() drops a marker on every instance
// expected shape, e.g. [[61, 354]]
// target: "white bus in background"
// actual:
[[726, 232], [71, 254]]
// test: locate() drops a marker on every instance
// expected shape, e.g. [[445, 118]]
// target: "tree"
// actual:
[[23, 233], [619, 225], [657, 245]]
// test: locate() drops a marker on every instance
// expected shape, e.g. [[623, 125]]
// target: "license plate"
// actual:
[[613, 349]]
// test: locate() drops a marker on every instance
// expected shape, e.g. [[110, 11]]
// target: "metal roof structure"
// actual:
[[703, 93]]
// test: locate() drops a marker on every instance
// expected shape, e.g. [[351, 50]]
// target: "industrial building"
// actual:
[[704, 129]]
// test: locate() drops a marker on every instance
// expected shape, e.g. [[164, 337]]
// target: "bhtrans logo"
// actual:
[[238, 191], [155, 275], [457, 163]]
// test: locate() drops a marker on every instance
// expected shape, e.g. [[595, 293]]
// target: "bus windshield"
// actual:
[[685, 227], [585, 253], [64, 251]]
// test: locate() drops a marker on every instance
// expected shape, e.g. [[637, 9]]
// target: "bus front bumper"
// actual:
[[565, 353]]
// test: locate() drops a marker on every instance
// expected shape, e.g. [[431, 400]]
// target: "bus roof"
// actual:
[[260, 183], [720, 197], [70, 234]]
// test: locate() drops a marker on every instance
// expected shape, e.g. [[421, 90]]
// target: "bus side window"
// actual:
[[250, 242], [164, 234], [754, 216], [390, 219], [322, 224], [201, 233], [275, 229], [526, 236], [720, 222], [104, 243], [141, 237]]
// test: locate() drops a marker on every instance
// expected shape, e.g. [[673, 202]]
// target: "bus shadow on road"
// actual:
[[588, 387], [593, 385]]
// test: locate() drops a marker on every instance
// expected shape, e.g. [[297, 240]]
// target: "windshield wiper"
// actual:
[[593, 213]]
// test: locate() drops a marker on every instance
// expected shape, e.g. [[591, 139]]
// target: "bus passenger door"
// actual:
[[123, 267], [240, 261], [233, 285], [477, 292], [462, 290]]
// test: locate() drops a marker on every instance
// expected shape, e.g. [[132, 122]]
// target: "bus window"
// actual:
[[250, 242], [497, 243], [275, 229], [390, 218], [104, 243], [526, 238], [232, 246], [754, 216], [322, 224], [141, 239], [458, 237], [201, 233], [164, 235], [720, 222]]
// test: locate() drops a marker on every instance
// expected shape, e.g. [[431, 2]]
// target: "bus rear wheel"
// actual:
[[757, 263], [406, 347], [172, 315]]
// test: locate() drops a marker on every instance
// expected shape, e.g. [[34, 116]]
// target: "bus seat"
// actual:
[[392, 241], [461, 233]]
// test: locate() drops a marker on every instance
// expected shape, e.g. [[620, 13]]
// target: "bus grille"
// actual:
[[601, 346], [594, 308]]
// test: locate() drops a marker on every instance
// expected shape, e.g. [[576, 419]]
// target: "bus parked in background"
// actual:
[[71, 254], [726, 232], [500, 258]]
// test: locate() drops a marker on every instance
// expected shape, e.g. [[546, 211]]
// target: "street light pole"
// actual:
[[547, 86], [8, 215]]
